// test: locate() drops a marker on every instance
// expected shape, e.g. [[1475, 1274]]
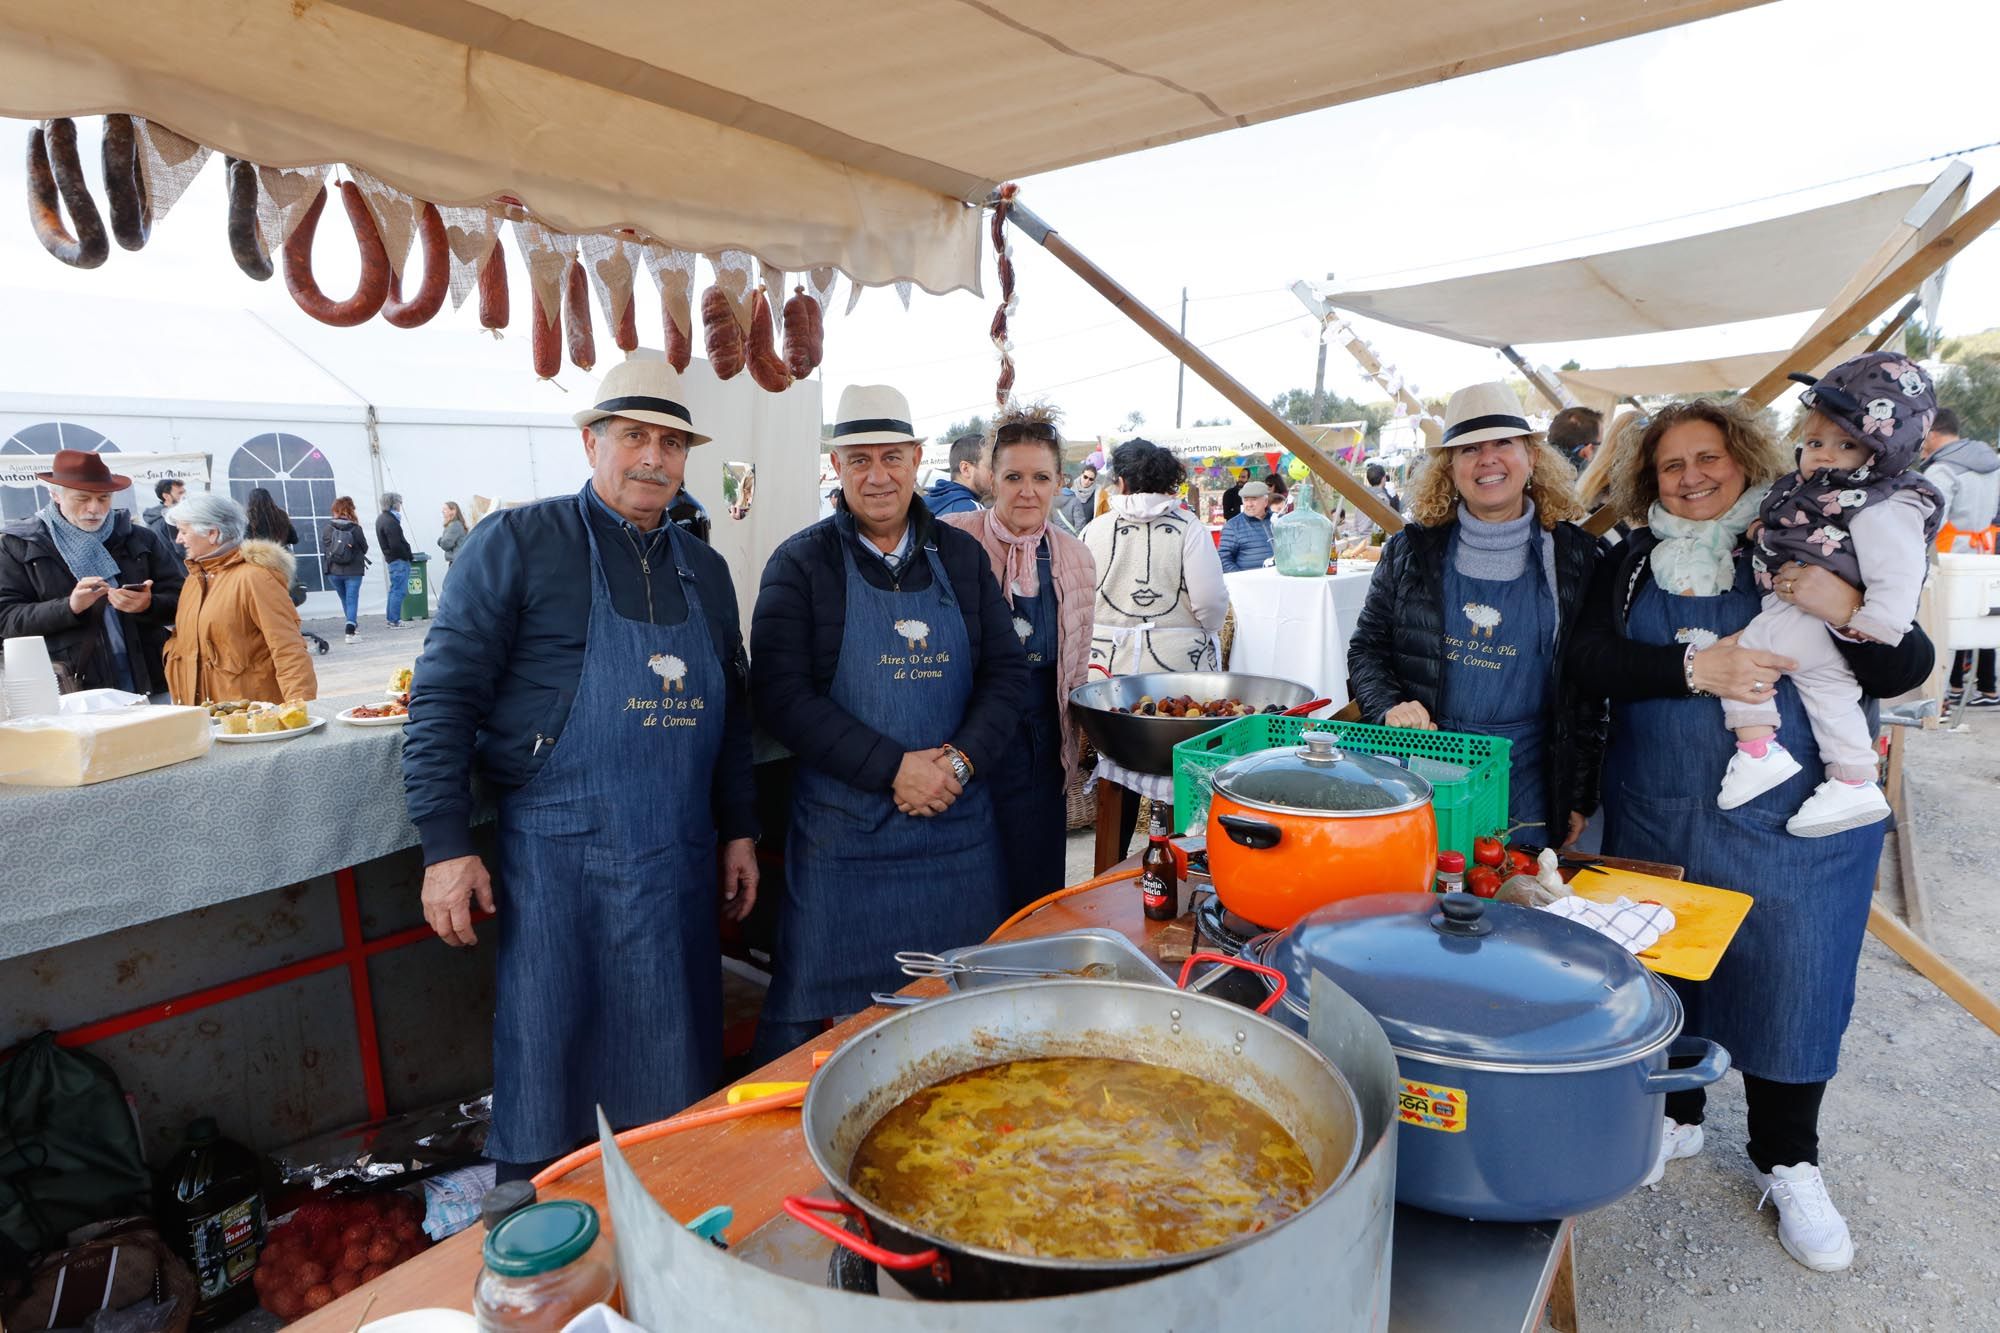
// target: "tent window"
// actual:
[[300, 479], [18, 502]]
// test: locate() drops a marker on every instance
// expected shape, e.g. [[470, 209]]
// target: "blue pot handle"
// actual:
[[1713, 1064]]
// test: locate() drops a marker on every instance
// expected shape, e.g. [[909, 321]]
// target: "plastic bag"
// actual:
[[401, 1147]]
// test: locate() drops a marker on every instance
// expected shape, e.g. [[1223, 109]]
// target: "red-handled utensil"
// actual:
[[1312, 706], [1226, 961], [807, 1211]]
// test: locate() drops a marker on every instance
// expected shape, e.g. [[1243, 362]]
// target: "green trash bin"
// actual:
[[417, 596]]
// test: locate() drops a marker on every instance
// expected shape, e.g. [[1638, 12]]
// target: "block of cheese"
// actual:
[[95, 747]]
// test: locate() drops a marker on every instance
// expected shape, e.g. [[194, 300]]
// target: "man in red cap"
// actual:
[[100, 588]]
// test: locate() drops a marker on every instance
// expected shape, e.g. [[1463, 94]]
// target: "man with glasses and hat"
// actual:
[[886, 660], [100, 588], [589, 667]]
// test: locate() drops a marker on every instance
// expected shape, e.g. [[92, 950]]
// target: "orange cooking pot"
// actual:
[[1295, 828]]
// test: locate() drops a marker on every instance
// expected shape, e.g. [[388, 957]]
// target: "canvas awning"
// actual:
[[806, 133], [1782, 266], [1712, 375]]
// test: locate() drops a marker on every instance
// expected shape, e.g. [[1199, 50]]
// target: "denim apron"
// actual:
[[609, 982], [1780, 999], [1499, 661], [1027, 780], [862, 879]]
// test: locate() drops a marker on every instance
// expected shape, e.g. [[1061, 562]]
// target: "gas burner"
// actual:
[[1221, 930]]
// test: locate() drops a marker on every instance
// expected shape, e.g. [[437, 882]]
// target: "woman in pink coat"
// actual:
[[1050, 580]]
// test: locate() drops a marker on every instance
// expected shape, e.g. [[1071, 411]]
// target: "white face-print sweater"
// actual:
[[1156, 567]]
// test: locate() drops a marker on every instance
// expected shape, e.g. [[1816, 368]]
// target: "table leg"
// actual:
[[1562, 1295], [1109, 853]]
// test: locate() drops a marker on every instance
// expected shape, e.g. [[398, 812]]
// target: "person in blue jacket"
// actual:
[[1246, 538], [970, 484], [885, 658], [589, 669]]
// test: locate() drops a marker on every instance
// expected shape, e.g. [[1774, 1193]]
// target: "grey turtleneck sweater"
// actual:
[[1499, 551]]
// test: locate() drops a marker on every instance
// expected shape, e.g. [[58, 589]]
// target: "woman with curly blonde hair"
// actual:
[[1471, 606]]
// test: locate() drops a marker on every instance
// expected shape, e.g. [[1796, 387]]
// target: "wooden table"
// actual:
[[752, 1164]]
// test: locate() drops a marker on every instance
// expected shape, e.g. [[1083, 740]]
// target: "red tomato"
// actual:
[[1482, 881], [1520, 863], [1488, 852]]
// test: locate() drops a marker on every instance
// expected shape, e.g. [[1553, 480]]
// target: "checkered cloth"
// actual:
[[1637, 926]]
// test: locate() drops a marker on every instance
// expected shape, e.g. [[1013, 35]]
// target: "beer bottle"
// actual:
[[1159, 885]]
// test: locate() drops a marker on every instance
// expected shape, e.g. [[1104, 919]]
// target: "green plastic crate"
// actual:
[[1468, 774]]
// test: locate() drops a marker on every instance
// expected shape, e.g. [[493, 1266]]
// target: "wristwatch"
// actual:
[[961, 767]]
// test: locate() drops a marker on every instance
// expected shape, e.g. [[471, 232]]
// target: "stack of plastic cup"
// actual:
[[29, 685]]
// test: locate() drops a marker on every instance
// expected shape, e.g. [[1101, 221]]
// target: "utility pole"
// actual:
[[1180, 382]]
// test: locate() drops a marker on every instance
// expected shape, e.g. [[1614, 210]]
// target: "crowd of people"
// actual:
[[1696, 690]]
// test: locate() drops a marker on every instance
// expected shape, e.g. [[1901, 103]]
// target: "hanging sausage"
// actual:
[[724, 335], [246, 246], [627, 336], [493, 306], [125, 184], [373, 288], [804, 339], [547, 335], [55, 179], [421, 308], [767, 367], [576, 316]]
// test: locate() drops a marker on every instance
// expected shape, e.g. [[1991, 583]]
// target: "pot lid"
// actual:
[[1320, 778], [1463, 980]]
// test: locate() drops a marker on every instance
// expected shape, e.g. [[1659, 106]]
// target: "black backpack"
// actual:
[[341, 546]]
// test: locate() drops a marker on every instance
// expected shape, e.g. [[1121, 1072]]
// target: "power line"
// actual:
[[1679, 217]]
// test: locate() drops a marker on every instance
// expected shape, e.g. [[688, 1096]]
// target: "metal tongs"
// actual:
[[916, 963]]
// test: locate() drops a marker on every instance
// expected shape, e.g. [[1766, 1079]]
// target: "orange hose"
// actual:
[[659, 1129], [1109, 877]]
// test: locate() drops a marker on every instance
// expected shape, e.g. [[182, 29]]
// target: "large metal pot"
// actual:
[[1533, 1051], [1146, 744], [879, 1068], [1296, 827]]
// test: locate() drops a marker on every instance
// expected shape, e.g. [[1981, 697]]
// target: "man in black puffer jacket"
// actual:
[[884, 656]]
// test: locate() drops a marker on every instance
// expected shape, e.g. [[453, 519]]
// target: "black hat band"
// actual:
[[641, 402], [868, 424], [1518, 425]]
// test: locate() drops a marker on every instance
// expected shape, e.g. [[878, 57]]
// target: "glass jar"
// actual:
[[1302, 540], [1451, 872], [545, 1265]]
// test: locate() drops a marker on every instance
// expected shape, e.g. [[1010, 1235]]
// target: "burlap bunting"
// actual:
[[395, 215], [282, 202], [169, 164], [472, 234], [673, 271]]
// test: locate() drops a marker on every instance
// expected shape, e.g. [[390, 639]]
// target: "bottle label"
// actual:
[[1153, 890], [224, 1246]]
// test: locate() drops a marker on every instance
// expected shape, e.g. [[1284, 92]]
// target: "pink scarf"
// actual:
[[1022, 578]]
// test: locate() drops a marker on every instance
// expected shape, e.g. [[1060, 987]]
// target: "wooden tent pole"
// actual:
[[1535, 378], [1905, 278], [1927, 960], [1895, 325], [1033, 227]]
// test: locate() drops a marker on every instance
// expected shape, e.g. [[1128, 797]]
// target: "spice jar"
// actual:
[[1451, 872], [545, 1265]]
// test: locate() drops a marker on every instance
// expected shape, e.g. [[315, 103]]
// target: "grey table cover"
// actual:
[[81, 861]]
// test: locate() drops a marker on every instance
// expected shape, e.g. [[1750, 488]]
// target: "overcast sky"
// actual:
[[1600, 148]]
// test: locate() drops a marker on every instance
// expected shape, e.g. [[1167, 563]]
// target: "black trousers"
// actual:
[[1983, 677], [1784, 1119]]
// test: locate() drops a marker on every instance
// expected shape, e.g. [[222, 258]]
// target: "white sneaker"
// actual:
[[1837, 807], [352, 637], [1676, 1141], [1809, 1227], [1747, 778]]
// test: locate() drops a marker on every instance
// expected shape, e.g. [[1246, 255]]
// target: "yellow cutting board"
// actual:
[[1705, 918]]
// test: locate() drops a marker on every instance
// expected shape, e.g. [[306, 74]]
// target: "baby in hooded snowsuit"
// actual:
[[1853, 508]]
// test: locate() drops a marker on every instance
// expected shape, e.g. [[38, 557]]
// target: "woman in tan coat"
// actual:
[[1050, 581], [236, 632]]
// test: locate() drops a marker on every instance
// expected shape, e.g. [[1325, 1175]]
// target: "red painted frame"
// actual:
[[353, 954]]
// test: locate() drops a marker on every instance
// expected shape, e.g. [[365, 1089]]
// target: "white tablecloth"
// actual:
[[1297, 628]]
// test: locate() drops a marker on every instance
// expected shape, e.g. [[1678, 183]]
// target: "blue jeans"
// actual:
[[349, 588], [399, 584]]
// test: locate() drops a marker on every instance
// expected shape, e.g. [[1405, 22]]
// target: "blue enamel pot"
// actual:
[[1533, 1051]]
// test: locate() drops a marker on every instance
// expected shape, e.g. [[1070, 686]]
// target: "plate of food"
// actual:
[[388, 714], [240, 722], [399, 686]]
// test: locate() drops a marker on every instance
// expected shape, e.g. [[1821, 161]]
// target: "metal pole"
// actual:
[[1180, 379], [1287, 435], [1319, 385]]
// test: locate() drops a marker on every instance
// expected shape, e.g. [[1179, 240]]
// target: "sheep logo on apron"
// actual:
[[915, 633], [671, 671], [1700, 638], [1484, 619], [1023, 628]]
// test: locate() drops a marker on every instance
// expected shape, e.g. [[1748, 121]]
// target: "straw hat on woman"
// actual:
[[1471, 606]]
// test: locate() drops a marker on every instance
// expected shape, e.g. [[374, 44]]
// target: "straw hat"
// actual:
[[80, 470], [1480, 412], [873, 414], [645, 389]]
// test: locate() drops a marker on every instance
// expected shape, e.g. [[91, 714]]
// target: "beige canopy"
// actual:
[[806, 133], [1782, 266], [1708, 376]]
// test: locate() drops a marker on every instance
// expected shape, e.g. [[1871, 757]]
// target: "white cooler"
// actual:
[[1968, 601]]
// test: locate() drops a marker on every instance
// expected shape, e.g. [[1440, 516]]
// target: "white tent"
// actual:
[[1594, 388]]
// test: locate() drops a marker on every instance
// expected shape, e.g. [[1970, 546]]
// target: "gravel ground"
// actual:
[[1908, 1140]]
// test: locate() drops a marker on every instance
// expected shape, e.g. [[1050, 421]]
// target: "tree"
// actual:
[[976, 426], [1133, 420], [1572, 364], [1919, 342], [1296, 406], [1219, 421], [1973, 391]]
